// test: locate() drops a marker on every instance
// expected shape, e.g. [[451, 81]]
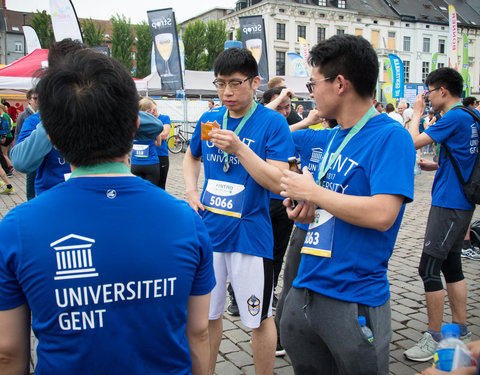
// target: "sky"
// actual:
[[135, 10]]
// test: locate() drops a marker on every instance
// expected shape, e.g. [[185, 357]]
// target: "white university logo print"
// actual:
[[74, 257]]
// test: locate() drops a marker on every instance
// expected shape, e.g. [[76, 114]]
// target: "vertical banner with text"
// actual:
[[398, 75], [465, 66], [31, 39], [453, 41], [253, 38], [64, 20], [167, 56]]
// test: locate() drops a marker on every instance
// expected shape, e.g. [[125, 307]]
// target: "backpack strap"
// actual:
[[454, 163]]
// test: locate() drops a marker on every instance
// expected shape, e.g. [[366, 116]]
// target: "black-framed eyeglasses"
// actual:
[[310, 84], [234, 84], [427, 93]]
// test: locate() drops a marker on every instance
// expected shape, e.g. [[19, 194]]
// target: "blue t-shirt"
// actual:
[[377, 160], [107, 269], [144, 153], [459, 132], [309, 144], [162, 150], [53, 168], [267, 134]]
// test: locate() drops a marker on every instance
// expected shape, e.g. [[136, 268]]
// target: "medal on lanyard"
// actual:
[[324, 166], [226, 165]]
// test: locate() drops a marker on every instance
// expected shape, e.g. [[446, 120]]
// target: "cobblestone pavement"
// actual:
[[408, 308]]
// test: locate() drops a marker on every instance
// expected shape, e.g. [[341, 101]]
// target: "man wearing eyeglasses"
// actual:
[[243, 159], [354, 203], [450, 212]]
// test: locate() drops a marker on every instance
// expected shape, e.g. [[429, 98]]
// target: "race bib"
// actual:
[[224, 198], [140, 151], [319, 238]]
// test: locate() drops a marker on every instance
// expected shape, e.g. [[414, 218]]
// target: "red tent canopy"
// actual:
[[20, 75]]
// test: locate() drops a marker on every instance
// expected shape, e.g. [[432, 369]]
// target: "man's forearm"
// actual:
[[265, 174], [191, 171]]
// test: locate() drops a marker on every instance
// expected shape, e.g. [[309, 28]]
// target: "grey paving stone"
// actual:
[[240, 359]]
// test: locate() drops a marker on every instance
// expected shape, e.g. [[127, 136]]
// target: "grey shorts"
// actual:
[[446, 230]]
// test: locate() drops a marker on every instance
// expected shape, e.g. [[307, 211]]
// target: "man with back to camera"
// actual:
[[243, 158], [357, 200], [105, 294], [450, 211]]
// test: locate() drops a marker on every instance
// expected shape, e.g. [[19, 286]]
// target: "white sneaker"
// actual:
[[471, 253], [423, 350]]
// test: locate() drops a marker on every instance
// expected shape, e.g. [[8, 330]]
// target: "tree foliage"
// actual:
[[194, 42], [93, 35], [144, 49], [42, 24], [215, 38], [122, 40], [203, 42]]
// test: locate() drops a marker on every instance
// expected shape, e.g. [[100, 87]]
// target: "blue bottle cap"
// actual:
[[362, 320], [450, 330]]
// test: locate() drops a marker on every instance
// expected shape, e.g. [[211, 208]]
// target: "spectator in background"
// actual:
[[148, 105], [390, 110], [470, 102], [300, 110], [379, 107], [293, 117], [211, 104]]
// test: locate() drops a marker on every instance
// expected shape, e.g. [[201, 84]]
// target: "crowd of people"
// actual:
[[101, 259]]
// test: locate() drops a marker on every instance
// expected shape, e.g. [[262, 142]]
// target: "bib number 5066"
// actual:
[[221, 202], [312, 238]]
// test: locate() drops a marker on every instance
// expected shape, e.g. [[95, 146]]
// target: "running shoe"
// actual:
[[423, 350], [471, 253]]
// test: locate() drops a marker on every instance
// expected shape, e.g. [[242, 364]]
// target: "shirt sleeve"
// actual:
[[392, 170], [149, 128], [28, 155], [443, 128], [11, 294], [204, 280], [196, 142], [279, 143]]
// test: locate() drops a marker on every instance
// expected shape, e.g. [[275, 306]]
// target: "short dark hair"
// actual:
[[378, 105], [270, 93], [30, 93], [348, 55], [389, 108], [448, 78], [235, 60], [58, 50], [89, 107], [469, 100]]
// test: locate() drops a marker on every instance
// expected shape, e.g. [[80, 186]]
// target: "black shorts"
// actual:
[[446, 230]]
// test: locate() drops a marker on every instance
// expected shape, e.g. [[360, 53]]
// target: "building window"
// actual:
[[18, 47], [322, 3], [301, 31], [341, 4], [406, 43], [302, 13], [281, 10], [375, 35], [358, 32], [320, 34], [340, 32], [406, 67], [426, 44], [280, 63], [441, 45], [441, 65], [281, 31], [425, 70], [391, 40]]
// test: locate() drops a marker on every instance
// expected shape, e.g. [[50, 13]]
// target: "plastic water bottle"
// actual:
[[366, 331], [417, 170], [451, 352]]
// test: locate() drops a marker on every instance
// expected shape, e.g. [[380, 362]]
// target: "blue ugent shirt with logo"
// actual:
[[458, 131], [107, 270], [309, 144], [377, 160], [241, 224]]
